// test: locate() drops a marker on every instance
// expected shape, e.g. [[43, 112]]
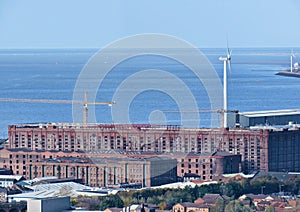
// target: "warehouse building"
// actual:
[[250, 144], [264, 118], [260, 148]]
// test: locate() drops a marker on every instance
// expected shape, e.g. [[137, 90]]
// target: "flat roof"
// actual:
[[11, 177], [271, 113]]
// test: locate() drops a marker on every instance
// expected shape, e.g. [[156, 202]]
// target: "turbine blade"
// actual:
[[229, 68], [228, 50], [292, 53], [229, 65]]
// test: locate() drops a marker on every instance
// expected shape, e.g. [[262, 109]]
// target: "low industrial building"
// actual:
[[264, 118], [49, 204], [10, 180]]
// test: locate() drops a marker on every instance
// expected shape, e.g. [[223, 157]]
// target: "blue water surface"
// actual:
[[52, 74]]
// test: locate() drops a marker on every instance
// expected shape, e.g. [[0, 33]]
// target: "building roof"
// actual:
[[211, 198], [117, 127], [271, 113], [59, 186], [58, 189], [157, 159], [11, 177], [281, 176], [35, 195], [240, 174], [103, 126], [222, 153], [36, 180], [254, 196], [194, 205], [56, 180], [114, 209], [104, 160]]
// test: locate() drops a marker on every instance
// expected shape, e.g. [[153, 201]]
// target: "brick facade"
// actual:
[[93, 170], [100, 172], [208, 153], [250, 144], [207, 166]]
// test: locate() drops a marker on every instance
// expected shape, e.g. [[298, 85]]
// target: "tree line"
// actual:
[[167, 197]]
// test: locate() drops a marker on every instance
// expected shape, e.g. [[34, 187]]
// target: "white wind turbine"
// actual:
[[292, 55], [226, 61]]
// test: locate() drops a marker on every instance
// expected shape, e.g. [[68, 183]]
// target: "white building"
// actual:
[[9, 180]]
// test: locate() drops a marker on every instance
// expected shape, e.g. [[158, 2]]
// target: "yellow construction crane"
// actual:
[[84, 103]]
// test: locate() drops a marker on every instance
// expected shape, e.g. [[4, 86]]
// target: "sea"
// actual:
[[52, 74]]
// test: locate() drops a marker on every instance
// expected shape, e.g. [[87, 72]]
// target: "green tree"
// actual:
[[270, 209], [74, 201], [233, 190], [154, 200], [237, 206], [268, 182], [293, 185], [111, 201], [146, 193], [162, 205], [219, 206], [91, 203], [211, 189]]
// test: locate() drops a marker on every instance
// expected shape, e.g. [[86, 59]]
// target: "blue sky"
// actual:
[[95, 23]]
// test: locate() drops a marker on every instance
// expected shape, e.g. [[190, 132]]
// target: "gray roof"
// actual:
[[58, 186], [194, 205], [211, 198]]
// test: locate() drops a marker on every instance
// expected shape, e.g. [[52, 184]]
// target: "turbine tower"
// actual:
[[226, 61], [292, 55]]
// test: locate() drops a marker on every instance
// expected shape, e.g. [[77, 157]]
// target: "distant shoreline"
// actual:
[[289, 74]]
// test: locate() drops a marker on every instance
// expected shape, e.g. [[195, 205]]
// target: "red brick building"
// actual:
[[207, 166], [101, 172], [93, 170], [208, 153], [250, 144]]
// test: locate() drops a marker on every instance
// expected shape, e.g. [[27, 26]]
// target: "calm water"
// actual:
[[52, 74]]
